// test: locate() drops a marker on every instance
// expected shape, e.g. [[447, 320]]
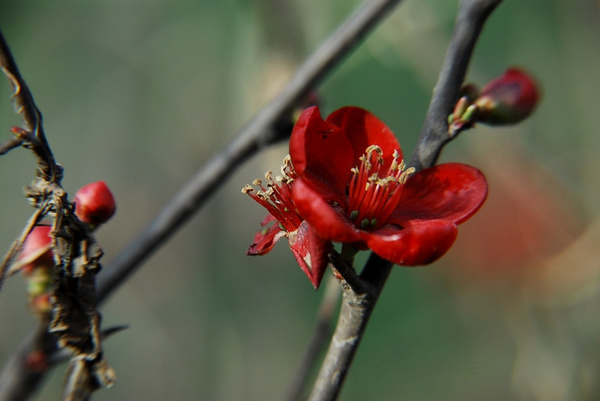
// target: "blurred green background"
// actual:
[[142, 93]]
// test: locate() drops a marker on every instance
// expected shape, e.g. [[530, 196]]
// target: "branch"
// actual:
[[10, 145], [357, 307], [74, 317], [271, 124], [472, 14], [352, 322], [32, 118], [318, 342], [23, 100]]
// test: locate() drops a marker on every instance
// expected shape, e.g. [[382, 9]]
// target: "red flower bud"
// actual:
[[507, 99], [36, 249], [94, 203], [37, 361]]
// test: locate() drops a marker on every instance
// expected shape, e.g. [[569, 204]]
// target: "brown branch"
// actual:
[[10, 145], [357, 307], [74, 317], [472, 14], [22, 98], [352, 322], [271, 124], [17, 245], [32, 118], [318, 342]]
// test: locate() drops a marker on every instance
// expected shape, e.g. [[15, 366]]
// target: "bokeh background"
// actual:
[[142, 93]]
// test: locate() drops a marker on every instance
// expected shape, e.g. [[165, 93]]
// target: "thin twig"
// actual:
[[10, 145], [23, 100], [271, 124], [357, 307], [472, 14], [18, 244], [318, 342], [24, 105]]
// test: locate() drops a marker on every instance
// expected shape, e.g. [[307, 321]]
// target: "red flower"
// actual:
[[352, 187], [284, 221]]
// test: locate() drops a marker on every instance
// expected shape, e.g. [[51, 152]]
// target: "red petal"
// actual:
[[36, 250], [311, 252], [451, 191], [328, 221], [419, 243], [364, 129], [322, 152], [264, 241]]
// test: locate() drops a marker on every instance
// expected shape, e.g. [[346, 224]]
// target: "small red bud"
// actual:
[[37, 361], [36, 249], [19, 132], [94, 203], [507, 99]]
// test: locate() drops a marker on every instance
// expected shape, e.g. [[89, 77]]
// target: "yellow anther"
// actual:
[[373, 149], [405, 174]]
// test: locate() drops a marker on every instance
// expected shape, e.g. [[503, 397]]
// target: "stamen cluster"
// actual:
[[374, 193], [276, 196]]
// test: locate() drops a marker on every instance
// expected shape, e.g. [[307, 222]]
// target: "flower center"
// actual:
[[276, 197], [373, 192]]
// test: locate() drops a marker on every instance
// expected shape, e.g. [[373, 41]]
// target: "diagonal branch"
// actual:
[[32, 117], [22, 98], [357, 307]]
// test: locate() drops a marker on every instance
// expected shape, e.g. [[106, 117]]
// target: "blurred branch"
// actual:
[[271, 124], [318, 342], [10, 145], [358, 306], [14, 384]]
